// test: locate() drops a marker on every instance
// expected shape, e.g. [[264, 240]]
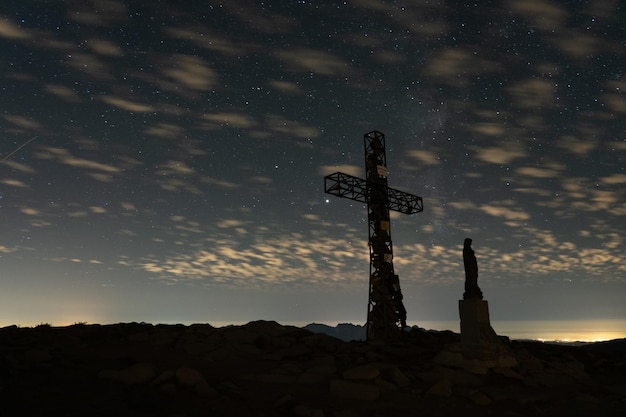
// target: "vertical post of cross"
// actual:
[[385, 308], [386, 315]]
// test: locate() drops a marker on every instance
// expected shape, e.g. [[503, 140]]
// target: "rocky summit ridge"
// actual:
[[266, 369]]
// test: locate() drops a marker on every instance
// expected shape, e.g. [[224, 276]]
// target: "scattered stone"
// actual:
[[321, 341], [346, 413], [475, 360], [353, 390], [619, 389], [294, 351], [285, 401], [205, 390], [189, 377], [237, 336], [139, 337], [168, 388], [548, 379], [508, 372], [480, 399], [362, 372], [399, 378], [311, 378], [136, 374], [572, 368], [164, 377], [306, 411], [441, 389], [385, 386], [452, 359], [325, 370], [271, 378], [457, 377], [35, 356]]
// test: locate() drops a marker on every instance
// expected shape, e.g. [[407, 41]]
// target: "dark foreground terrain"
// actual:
[[265, 369]]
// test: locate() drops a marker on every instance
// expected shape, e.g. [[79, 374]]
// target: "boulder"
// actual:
[[475, 360], [303, 410], [136, 374], [441, 389], [362, 372], [270, 378], [189, 377], [192, 378], [310, 378], [399, 378], [205, 390], [354, 390], [36, 356]]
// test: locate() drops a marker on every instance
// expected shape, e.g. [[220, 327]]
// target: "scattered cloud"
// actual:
[[316, 61], [424, 157], [129, 105], [346, 169], [238, 120], [286, 86], [65, 157], [504, 212], [63, 92], [189, 72], [10, 30], [105, 47], [13, 183], [504, 154]]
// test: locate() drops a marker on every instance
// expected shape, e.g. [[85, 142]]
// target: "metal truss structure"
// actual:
[[386, 315]]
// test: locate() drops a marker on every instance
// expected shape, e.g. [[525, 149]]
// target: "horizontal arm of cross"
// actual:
[[354, 188]]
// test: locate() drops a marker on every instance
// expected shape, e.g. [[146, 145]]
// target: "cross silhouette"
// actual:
[[386, 315]]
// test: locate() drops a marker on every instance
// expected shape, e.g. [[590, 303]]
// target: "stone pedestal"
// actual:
[[476, 329]]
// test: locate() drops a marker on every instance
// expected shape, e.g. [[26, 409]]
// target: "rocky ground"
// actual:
[[265, 369]]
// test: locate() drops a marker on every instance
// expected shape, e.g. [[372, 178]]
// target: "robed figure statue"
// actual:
[[471, 272]]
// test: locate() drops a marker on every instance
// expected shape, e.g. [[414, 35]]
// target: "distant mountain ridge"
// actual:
[[343, 331], [607, 346], [349, 332]]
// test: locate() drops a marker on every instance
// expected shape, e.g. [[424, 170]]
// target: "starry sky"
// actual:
[[163, 161]]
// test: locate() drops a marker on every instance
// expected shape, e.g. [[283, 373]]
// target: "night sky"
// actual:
[[163, 161]]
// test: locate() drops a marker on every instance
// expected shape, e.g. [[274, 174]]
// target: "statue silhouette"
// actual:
[[471, 272]]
